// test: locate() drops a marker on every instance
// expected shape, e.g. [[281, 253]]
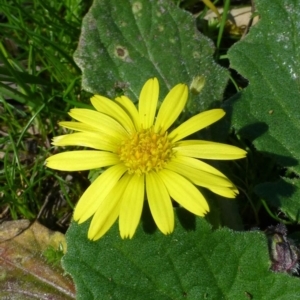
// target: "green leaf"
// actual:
[[284, 194], [124, 43], [267, 111], [193, 263]]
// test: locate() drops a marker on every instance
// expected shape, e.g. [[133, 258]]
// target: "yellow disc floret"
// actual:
[[145, 151]]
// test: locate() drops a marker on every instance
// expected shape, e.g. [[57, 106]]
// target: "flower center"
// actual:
[[145, 151]]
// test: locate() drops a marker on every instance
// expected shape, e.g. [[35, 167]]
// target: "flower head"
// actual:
[[143, 158]]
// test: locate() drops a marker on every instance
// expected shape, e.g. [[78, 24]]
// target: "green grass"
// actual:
[[39, 83]]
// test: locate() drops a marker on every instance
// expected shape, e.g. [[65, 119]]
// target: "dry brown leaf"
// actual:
[[24, 271]]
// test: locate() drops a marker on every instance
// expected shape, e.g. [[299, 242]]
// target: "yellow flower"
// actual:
[[142, 156]]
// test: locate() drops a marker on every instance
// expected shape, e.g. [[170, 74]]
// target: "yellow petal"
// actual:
[[131, 206], [81, 160], [148, 102], [112, 109], [131, 110], [208, 150], [108, 210], [196, 123], [198, 176], [225, 192], [160, 203], [99, 121], [94, 140], [198, 164], [97, 192], [184, 192], [171, 107], [78, 126]]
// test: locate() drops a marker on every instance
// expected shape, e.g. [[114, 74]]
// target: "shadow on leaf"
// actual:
[[281, 194], [186, 219], [253, 131], [286, 161]]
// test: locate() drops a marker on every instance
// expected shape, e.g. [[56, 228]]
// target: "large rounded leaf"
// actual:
[[194, 263], [124, 43]]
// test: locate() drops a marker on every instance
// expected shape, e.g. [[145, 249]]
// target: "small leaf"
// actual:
[[193, 263], [124, 43]]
